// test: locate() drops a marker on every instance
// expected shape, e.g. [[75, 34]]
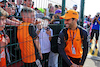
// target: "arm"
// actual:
[[61, 47], [38, 47], [7, 38], [50, 33], [35, 37], [98, 20], [85, 49], [39, 26], [93, 20], [10, 22]]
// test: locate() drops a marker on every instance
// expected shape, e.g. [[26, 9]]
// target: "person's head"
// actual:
[[56, 7], [19, 2], [28, 15], [71, 17], [75, 7], [51, 10], [28, 3], [3, 15], [60, 7], [50, 4], [58, 12], [47, 18]]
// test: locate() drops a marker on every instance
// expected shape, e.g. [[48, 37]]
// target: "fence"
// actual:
[[13, 52]]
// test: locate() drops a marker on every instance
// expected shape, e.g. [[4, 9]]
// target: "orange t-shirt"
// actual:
[[77, 43], [26, 43], [2, 59]]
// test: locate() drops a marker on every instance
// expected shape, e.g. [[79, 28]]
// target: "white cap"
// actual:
[[75, 5]]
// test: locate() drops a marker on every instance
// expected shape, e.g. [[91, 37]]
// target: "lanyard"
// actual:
[[73, 36]]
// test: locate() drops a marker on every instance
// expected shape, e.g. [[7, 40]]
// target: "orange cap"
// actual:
[[70, 14]]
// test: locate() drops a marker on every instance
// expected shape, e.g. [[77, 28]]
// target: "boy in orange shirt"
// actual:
[[28, 38]]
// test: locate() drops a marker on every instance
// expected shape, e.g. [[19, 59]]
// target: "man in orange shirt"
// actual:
[[4, 39], [70, 41], [28, 38]]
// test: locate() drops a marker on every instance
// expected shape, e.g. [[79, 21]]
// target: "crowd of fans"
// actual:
[[37, 25]]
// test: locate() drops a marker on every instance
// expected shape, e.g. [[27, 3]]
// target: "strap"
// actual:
[[81, 33], [65, 34]]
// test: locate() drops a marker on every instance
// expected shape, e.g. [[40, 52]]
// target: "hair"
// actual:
[[56, 6], [3, 12], [27, 9]]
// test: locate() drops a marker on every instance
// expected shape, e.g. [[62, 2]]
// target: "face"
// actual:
[[28, 17], [59, 14], [69, 23], [2, 22], [49, 5], [75, 8], [19, 2], [52, 9], [29, 3]]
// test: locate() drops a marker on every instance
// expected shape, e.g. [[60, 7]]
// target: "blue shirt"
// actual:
[[96, 25]]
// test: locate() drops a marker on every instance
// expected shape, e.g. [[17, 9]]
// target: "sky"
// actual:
[[90, 7]]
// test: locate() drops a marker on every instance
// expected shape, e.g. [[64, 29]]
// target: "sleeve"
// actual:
[[32, 31], [85, 47], [61, 47], [51, 32]]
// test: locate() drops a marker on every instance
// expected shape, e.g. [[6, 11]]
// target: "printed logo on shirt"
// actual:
[[3, 54], [59, 40]]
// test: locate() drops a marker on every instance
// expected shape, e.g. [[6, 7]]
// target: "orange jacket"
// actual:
[[26, 43], [77, 43], [3, 59]]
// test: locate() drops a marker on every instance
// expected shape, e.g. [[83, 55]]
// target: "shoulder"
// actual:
[[63, 31], [31, 25], [83, 31]]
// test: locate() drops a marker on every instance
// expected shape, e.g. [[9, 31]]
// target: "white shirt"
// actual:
[[19, 9], [44, 40]]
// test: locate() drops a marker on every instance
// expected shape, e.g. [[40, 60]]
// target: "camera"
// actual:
[[97, 15]]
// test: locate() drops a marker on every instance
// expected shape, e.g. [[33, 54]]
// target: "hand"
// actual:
[[41, 56], [7, 39], [74, 65], [9, 10], [39, 26], [48, 32], [4, 42]]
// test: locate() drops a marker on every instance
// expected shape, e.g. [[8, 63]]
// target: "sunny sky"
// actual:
[[91, 6]]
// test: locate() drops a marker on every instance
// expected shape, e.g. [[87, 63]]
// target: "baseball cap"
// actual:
[[58, 11], [70, 14], [74, 5], [41, 9], [46, 17]]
